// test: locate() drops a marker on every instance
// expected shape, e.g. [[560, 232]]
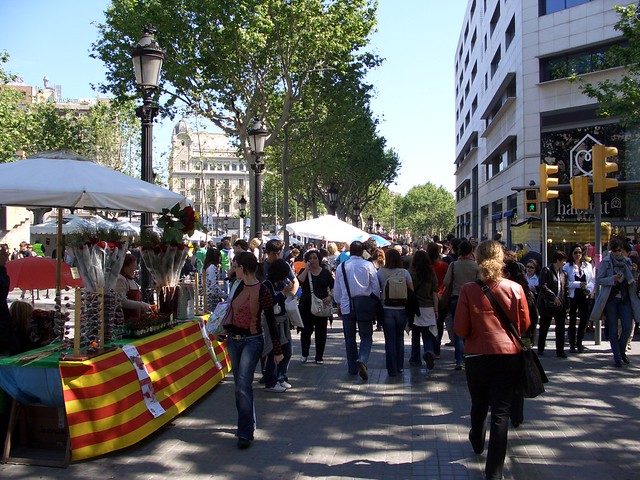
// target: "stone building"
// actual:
[[206, 168]]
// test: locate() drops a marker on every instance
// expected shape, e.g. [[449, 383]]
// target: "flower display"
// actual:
[[178, 222]]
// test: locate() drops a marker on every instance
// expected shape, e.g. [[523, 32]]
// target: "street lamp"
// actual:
[[147, 58], [356, 216], [333, 198], [225, 224], [257, 135], [370, 224]]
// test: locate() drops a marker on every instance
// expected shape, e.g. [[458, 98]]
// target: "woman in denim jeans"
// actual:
[[245, 340], [395, 317]]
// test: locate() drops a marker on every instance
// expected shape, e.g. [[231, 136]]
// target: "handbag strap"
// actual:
[[346, 282], [507, 323], [309, 275]]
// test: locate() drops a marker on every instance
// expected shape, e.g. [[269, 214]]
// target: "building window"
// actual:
[[183, 166], [241, 183], [234, 167], [579, 62], [474, 71], [473, 8], [552, 6], [494, 19], [474, 37], [183, 183], [501, 160], [474, 105], [510, 33], [466, 90], [466, 60], [495, 63], [466, 32], [467, 119]]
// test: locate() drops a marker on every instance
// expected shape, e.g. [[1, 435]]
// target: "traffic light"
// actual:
[[599, 155], [546, 181], [580, 192], [531, 201]]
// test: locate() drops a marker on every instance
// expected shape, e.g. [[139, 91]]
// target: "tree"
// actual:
[[232, 60], [427, 210], [621, 97]]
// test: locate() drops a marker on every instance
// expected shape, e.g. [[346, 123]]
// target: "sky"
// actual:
[[414, 86]]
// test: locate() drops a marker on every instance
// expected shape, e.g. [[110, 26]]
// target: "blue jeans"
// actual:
[[245, 354], [458, 343], [277, 373], [429, 341], [393, 327], [365, 330], [617, 308]]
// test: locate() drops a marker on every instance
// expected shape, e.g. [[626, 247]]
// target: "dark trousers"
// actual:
[[579, 305], [319, 325], [545, 323], [492, 381]]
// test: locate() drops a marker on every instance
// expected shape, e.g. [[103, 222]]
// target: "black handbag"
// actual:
[[533, 375]]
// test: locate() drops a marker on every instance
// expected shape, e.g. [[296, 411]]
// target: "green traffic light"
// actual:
[[531, 207]]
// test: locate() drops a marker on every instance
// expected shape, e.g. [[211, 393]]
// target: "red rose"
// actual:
[[101, 244]]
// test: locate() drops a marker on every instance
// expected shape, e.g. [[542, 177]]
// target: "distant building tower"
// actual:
[[206, 168]]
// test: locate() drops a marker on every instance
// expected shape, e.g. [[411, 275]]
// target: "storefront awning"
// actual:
[[559, 232]]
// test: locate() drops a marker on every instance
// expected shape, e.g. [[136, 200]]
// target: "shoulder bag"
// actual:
[[318, 307], [533, 375]]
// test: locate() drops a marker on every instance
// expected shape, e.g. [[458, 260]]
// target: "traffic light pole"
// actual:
[[597, 208], [543, 246]]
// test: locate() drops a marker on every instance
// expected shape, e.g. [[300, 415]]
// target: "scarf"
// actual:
[[621, 266]]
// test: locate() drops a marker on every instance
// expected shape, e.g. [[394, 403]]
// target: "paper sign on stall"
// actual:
[[148, 393]]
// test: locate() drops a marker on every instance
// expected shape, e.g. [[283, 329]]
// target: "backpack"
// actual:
[[395, 290]]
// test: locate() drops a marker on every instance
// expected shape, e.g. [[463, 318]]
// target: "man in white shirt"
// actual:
[[362, 282]]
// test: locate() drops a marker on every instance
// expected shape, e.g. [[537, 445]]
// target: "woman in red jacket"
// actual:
[[492, 357]]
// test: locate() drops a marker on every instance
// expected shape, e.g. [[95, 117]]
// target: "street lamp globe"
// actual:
[[332, 193], [242, 204], [257, 135], [147, 57]]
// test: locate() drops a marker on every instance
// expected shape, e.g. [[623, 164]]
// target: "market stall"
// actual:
[[114, 390]]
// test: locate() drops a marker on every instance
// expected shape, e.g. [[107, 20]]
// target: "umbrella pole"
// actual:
[[58, 306], [76, 324]]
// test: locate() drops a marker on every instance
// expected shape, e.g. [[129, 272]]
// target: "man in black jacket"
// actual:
[[552, 302]]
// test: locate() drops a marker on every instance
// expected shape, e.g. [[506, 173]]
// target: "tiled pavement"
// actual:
[[331, 425]]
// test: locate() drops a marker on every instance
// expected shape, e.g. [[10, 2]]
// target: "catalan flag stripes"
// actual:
[[103, 400]]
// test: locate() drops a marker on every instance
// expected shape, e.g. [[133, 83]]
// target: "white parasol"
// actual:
[[327, 227]]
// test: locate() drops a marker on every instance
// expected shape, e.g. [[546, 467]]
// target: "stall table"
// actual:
[[103, 397]]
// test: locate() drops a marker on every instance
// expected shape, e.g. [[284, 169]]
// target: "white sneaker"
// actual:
[[285, 384], [303, 359], [277, 388]]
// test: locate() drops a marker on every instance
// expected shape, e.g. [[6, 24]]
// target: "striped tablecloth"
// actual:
[[103, 399]]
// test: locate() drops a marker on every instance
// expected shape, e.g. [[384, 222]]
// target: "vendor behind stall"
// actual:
[[132, 306]]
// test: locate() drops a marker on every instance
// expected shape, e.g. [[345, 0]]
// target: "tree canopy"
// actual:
[[620, 97]]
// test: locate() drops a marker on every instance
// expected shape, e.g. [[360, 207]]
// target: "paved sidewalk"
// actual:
[[332, 425]]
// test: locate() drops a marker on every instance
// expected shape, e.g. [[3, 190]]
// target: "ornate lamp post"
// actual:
[[147, 57], [370, 224], [356, 216], [333, 198], [257, 135], [242, 207]]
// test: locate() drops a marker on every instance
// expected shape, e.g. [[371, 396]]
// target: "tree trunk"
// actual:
[[284, 163]]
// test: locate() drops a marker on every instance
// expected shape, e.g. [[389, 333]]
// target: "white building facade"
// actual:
[[515, 107], [206, 168]]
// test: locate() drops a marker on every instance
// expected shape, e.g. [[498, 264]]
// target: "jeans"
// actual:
[[393, 327], [492, 381], [245, 354], [274, 373], [545, 322], [319, 325], [458, 342], [365, 330], [617, 308], [429, 341]]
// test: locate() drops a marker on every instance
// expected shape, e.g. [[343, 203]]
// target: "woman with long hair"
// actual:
[[322, 280], [493, 362], [581, 283], [425, 285], [532, 274], [132, 304], [395, 316], [245, 340]]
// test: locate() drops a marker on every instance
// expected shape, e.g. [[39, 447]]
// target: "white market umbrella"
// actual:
[[65, 180], [70, 225], [199, 236], [327, 227]]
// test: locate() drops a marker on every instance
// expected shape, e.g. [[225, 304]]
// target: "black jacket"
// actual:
[[548, 290]]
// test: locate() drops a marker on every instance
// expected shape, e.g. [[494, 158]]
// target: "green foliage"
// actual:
[[427, 210], [230, 60], [621, 98]]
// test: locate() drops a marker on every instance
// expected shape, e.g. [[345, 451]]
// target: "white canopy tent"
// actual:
[[327, 227]]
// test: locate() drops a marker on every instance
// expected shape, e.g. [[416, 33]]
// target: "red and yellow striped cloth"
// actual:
[[103, 400]]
